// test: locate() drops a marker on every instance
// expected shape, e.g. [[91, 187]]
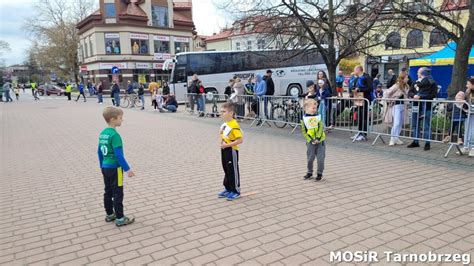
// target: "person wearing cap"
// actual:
[[311, 93], [378, 93], [270, 89]]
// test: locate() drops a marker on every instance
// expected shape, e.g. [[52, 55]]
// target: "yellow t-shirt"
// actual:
[[230, 132]]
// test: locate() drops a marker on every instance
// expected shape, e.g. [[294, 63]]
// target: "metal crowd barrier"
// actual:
[[347, 114], [439, 121], [204, 104], [423, 120], [280, 111]]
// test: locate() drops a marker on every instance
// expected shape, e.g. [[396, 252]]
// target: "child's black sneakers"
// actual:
[[307, 176], [319, 177]]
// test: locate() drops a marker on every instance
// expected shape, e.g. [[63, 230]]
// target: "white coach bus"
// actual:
[[291, 69]]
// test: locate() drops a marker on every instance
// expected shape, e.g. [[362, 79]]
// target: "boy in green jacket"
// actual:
[[313, 131]]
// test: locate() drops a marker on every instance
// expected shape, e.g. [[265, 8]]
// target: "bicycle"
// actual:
[[130, 100], [289, 111]]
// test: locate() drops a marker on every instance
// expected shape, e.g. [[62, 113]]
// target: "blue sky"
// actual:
[[207, 18]]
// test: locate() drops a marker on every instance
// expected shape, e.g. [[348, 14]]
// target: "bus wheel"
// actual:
[[210, 94], [294, 90]]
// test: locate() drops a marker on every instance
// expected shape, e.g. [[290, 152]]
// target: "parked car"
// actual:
[[50, 89]]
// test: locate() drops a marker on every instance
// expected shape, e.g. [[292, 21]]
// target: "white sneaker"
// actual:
[[399, 142], [392, 143], [355, 136], [360, 138], [464, 150]]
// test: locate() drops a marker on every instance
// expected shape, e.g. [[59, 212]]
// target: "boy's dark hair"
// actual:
[[111, 112], [229, 107]]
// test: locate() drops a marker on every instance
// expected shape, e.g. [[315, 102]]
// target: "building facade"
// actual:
[[405, 42], [134, 36], [219, 41], [248, 34]]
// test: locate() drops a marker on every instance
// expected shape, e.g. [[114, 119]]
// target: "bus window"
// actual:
[[180, 75], [203, 64]]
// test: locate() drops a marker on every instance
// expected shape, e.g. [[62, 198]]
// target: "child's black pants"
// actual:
[[113, 196]]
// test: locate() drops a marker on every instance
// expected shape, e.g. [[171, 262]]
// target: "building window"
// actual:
[[393, 41], [261, 44], [139, 43], [237, 46], [161, 48], [112, 43], [110, 10], [415, 39], [86, 51], [90, 47], [81, 53], [437, 38], [249, 45], [181, 45], [279, 44], [159, 16]]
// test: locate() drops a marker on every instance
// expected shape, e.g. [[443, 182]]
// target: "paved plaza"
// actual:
[[375, 198]]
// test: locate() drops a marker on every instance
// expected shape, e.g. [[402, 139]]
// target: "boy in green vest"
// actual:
[[313, 131], [113, 164]]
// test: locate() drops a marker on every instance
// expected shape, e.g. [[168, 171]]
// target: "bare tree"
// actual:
[[4, 48], [54, 34], [336, 29], [447, 18]]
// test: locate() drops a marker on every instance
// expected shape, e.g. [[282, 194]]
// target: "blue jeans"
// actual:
[[322, 111], [200, 102], [418, 117], [99, 97], [117, 99], [7, 96], [170, 108], [265, 106], [142, 99]]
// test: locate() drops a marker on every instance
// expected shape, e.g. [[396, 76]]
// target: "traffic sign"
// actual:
[[115, 70]]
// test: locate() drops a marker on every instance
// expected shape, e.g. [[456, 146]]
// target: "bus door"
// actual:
[[180, 84]]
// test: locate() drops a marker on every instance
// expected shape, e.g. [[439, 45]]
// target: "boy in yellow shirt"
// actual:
[[313, 131], [231, 137]]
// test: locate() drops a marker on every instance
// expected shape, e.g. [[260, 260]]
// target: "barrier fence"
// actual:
[[439, 121]]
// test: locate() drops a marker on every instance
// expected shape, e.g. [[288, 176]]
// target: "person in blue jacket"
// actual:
[[322, 93], [364, 85], [259, 91], [351, 84], [81, 92]]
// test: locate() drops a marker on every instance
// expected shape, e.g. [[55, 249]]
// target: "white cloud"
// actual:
[[208, 18]]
